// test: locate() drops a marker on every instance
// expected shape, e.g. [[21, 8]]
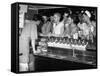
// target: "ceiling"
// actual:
[[42, 7]]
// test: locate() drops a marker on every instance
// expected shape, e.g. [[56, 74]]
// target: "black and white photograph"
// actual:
[[51, 37]]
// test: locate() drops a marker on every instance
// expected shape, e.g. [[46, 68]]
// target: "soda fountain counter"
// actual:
[[67, 49]]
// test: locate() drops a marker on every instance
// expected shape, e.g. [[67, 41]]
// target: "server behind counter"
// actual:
[[29, 34]]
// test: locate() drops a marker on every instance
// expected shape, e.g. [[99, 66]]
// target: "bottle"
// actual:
[[71, 41], [79, 42], [68, 40], [83, 42], [75, 42], [64, 41]]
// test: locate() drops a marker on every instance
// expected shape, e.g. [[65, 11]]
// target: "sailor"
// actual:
[[86, 26], [46, 28], [58, 26], [70, 27]]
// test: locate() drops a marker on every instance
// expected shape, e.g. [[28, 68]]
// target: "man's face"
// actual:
[[85, 18], [51, 18], [44, 18], [65, 15], [56, 18], [69, 21], [38, 22]]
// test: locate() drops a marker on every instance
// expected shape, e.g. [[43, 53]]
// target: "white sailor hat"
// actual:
[[88, 13]]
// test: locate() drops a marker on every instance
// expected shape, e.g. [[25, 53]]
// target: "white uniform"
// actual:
[[29, 33], [59, 28], [85, 29]]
